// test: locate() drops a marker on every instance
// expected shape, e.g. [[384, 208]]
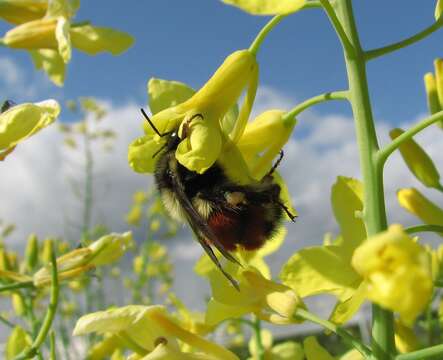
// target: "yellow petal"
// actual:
[[397, 271], [165, 352], [199, 151], [35, 34], [51, 63], [346, 309], [405, 338], [438, 9], [347, 201], [19, 12], [314, 351], [416, 203], [434, 105], [226, 85], [163, 94], [288, 350], [418, 161], [309, 272], [140, 154], [18, 341], [22, 121], [110, 248], [63, 38], [267, 7], [93, 40]]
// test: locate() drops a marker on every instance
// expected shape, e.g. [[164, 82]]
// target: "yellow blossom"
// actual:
[[405, 339], [416, 203], [266, 299], [397, 271], [104, 251], [22, 121], [51, 37], [201, 115], [267, 7], [18, 340], [418, 161], [144, 328], [21, 11], [288, 350]]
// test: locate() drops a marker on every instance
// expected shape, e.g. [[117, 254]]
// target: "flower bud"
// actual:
[[418, 161], [31, 253], [19, 12]]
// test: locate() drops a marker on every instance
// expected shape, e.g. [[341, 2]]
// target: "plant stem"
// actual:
[[87, 204], [375, 53], [374, 213], [15, 286], [50, 314], [258, 340], [343, 36], [52, 346], [433, 352], [333, 95], [255, 46], [424, 228], [6, 322], [384, 153], [346, 336]]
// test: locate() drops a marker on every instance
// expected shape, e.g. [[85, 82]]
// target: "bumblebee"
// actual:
[[220, 212]]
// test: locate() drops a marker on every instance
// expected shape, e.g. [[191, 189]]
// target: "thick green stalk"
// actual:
[[374, 214]]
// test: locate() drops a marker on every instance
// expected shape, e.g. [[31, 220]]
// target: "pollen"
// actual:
[[235, 198]]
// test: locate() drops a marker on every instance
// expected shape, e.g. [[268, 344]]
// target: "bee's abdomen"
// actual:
[[248, 227]]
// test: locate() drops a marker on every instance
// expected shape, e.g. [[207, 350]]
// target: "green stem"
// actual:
[[50, 313], [334, 95], [346, 336], [313, 4], [374, 213], [16, 286], [52, 348], [384, 153], [6, 322], [258, 340], [430, 353], [255, 46], [347, 44], [424, 228], [87, 205], [375, 53]]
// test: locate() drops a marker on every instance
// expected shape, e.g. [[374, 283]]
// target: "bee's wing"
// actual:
[[201, 229]]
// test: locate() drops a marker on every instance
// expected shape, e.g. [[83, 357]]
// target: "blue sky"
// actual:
[[187, 40]]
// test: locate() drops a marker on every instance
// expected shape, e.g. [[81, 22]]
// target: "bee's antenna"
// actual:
[[153, 126], [276, 164], [285, 208]]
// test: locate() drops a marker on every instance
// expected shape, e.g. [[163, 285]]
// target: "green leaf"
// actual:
[[267, 7], [164, 94], [321, 269], [94, 39], [347, 201]]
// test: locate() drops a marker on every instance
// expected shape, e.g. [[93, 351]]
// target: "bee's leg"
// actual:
[[285, 208], [214, 259], [187, 124], [277, 163]]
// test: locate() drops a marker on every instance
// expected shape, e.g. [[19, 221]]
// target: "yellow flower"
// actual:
[[145, 328], [267, 7], [17, 341], [418, 161], [21, 11], [104, 251], [201, 115], [405, 339], [266, 299], [416, 203], [50, 37], [22, 121], [397, 271]]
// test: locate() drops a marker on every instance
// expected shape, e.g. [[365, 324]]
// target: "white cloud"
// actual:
[[37, 197]]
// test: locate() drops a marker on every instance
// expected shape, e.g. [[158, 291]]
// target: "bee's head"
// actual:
[[173, 141]]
